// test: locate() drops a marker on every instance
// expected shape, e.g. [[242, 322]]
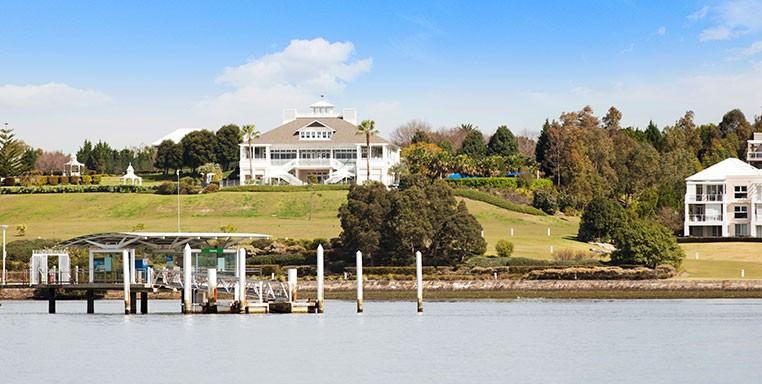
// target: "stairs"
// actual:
[[342, 172], [282, 173]]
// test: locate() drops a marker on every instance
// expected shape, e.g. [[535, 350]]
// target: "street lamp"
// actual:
[[177, 172], [5, 227]]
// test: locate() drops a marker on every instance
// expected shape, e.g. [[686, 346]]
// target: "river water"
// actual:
[[542, 341]]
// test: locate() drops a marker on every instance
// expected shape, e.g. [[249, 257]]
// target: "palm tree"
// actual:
[[367, 128], [249, 133]]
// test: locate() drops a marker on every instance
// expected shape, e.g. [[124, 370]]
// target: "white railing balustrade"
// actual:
[[709, 198], [704, 218]]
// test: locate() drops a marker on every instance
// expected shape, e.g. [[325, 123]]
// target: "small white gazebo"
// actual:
[[73, 167], [131, 178]]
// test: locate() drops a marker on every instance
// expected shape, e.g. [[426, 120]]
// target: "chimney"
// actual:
[[350, 115]]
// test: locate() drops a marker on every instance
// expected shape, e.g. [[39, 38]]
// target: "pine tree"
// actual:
[[473, 144], [502, 143], [543, 145], [11, 153]]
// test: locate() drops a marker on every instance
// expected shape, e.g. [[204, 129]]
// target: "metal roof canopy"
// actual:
[[157, 240]]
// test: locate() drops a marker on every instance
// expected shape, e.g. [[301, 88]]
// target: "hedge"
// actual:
[[496, 201], [29, 181], [497, 182], [287, 188], [603, 273], [291, 259], [391, 270], [74, 189]]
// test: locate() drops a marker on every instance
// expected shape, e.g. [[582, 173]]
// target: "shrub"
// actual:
[[21, 230], [288, 188], [52, 180], [570, 254], [212, 188], [600, 273], [600, 219], [97, 179], [9, 182], [86, 179], [485, 182], [74, 180], [645, 242], [540, 183], [504, 248], [167, 188], [63, 180], [228, 228], [545, 199]]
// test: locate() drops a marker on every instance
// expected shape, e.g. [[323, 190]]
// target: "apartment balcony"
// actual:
[[754, 156], [705, 218], [706, 198]]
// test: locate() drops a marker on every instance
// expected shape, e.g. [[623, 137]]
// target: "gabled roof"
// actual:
[[344, 132], [722, 170], [175, 135]]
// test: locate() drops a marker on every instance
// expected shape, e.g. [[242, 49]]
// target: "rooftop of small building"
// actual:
[[728, 168]]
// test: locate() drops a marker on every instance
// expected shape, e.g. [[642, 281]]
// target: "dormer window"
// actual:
[[315, 131]]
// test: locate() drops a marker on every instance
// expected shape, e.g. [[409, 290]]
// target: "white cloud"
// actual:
[[293, 77], [733, 18], [661, 31], [48, 95], [753, 49], [698, 15]]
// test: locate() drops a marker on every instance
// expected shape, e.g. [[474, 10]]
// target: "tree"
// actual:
[[11, 153], [404, 134], [29, 159], [420, 137], [367, 128], [646, 242], [101, 158], [458, 239], [199, 147], [543, 146], [249, 132], [362, 218], [85, 153], [504, 248], [228, 138], [612, 119], [600, 219], [502, 143], [526, 147], [49, 162], [636, 167], [473, 144], [653, 136], [169, 156]]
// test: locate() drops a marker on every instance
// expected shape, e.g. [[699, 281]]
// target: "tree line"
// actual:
[[203, 147]]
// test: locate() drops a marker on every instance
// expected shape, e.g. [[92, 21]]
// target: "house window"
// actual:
[[259, 152], [376, 152], [344, 154], [741, 212], [742, 229], [283, 154], [740, 192]]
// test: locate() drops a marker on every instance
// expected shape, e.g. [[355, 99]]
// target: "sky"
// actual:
[[130, 72]]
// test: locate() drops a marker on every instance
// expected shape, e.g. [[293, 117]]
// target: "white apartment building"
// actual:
[[320, 146], [724, 200]]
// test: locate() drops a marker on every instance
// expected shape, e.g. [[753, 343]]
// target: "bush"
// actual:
[[97, 179], [601, 273], [484, 182], [504, 248], [545, 199], [63, 180], [645, 242], [496, 201], [540, 183], [167, 188], [288, 188], [9, 182], [74, 180], [86, 179], [53, 180], [570, 254], [212, 188], [401, 270], [74, 189], [600, 219]]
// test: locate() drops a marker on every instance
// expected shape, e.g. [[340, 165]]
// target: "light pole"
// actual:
[[5, 228], [178, 200]]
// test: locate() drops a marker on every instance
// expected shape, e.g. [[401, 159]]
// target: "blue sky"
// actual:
[[129, 72]]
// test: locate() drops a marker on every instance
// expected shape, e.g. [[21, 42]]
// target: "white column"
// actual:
[[4, 227], [359, 282], [91, 267], [133, 273], [242, 279], [126, 279], [211, 286], [419, 279], [292, 284], [187, 289], [320, 282]]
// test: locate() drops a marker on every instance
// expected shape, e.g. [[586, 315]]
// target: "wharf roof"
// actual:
[[158, 240]]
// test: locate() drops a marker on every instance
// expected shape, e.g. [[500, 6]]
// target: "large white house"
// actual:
[[320, 146], [724, 200]]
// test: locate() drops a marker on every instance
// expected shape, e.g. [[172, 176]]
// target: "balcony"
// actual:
[[753, 155], [706, 198], [704, 218]]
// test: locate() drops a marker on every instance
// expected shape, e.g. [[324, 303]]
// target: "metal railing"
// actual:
[[706, 197], [704, 218], [754, 155]]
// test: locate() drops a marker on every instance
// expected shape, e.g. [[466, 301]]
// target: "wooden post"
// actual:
[[90, 295], [359, 282], [187, 288], [143, 302], [419, 279], [51, 300], [292, 284], [242, 304], [320, 282], [91, 269], [511, 232], [548, 231], [133, 302], [126, 280]]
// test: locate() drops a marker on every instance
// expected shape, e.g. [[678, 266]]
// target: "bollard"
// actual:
[[126, 280], [419, 279], [551, 249], [292, 284], [320, 282], [345, 276], [242, 304], [482, 233], [548, 231], [359, 282], [743, 273], [495, 273], [511, 232], [697, 257], [272, 275], [187, 288]]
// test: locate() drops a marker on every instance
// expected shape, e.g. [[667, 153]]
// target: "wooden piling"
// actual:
[[90, 296], [126, 280], [211, 290], [143, 302], [51, 300], [242, 304], [359, 282], [187, 288], [320, 282], [292, 284], [133, 302], [419, 279]]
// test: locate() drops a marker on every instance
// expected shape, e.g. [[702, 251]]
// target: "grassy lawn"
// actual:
[[290, 214]]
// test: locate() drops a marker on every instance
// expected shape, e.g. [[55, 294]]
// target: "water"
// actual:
[[544, 341]]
